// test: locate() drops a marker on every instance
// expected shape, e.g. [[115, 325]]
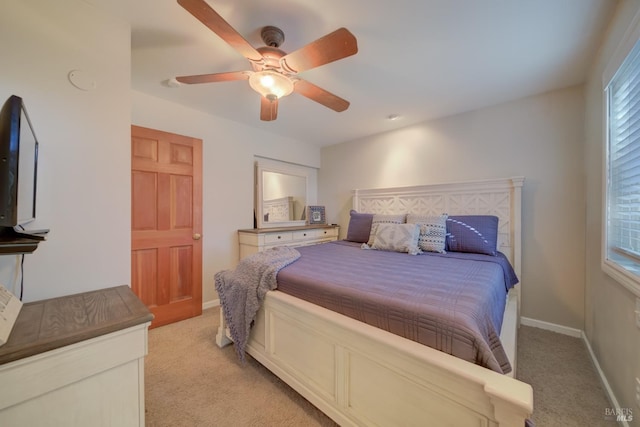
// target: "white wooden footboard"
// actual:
[[361, 375]]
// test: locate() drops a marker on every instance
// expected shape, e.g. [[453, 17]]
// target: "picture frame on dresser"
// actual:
[[316, 215]]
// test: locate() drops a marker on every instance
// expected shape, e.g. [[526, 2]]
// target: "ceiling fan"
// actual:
[[274, 72]]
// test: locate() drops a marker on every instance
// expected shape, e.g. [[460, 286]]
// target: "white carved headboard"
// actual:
[[499, 197], [278, 210]]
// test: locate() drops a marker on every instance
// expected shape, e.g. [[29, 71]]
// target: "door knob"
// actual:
[[196, 236]]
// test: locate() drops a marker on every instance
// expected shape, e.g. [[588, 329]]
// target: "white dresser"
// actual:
[[258, 239], [76, 361]]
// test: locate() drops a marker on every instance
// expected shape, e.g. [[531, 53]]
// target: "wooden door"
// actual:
[[166, 223]]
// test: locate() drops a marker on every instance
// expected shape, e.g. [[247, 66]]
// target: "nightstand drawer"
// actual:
[[270, 238]]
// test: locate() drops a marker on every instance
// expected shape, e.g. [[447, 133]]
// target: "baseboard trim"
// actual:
[[210, 304], [603, 378], [564, 330]]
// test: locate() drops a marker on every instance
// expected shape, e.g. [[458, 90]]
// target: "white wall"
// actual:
[[539, 137], [84, 186], [609, 322], [84, 172], [228, 170]]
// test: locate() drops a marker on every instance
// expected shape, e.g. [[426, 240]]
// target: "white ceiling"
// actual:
[[419, 59]]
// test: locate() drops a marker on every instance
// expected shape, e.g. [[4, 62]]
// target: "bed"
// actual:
[[359, 374]]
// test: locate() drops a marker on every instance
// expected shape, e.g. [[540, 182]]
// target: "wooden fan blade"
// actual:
[[337, 45], [212, 78], [321, 96], [209, 17], [268, 109]]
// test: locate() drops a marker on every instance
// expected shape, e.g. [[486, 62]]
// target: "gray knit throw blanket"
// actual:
[[242, 290]]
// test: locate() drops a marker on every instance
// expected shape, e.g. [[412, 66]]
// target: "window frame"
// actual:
[[615, 267]]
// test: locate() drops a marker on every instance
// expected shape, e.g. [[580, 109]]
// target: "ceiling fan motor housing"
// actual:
[[272, 36]]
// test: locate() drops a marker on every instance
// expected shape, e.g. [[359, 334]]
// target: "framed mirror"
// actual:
[[282, 194]]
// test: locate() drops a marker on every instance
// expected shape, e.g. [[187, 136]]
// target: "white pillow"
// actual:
[[384, 219], [397, 238], [433, 231]]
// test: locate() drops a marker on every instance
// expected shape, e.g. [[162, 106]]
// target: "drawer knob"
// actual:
[[304, 234], [279, 237]]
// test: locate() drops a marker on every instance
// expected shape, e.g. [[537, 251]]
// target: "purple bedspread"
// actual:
[[451, 302]]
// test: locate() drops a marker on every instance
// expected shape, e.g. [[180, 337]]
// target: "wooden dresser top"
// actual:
[[49, 324], [282, 229]]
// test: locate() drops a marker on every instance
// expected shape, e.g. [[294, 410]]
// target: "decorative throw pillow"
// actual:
[[384, 219], [472, 233], [397, 238], [433, 231], [359, 227]]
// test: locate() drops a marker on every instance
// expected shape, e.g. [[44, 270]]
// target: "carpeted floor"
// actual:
[[566, 389], [191, 382]]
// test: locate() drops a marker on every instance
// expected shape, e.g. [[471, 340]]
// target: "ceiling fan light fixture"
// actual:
[[270, 84]]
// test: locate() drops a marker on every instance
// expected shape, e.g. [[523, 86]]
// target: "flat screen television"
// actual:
[[18, 165]]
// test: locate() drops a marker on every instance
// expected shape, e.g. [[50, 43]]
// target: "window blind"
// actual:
[[623, 177]]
